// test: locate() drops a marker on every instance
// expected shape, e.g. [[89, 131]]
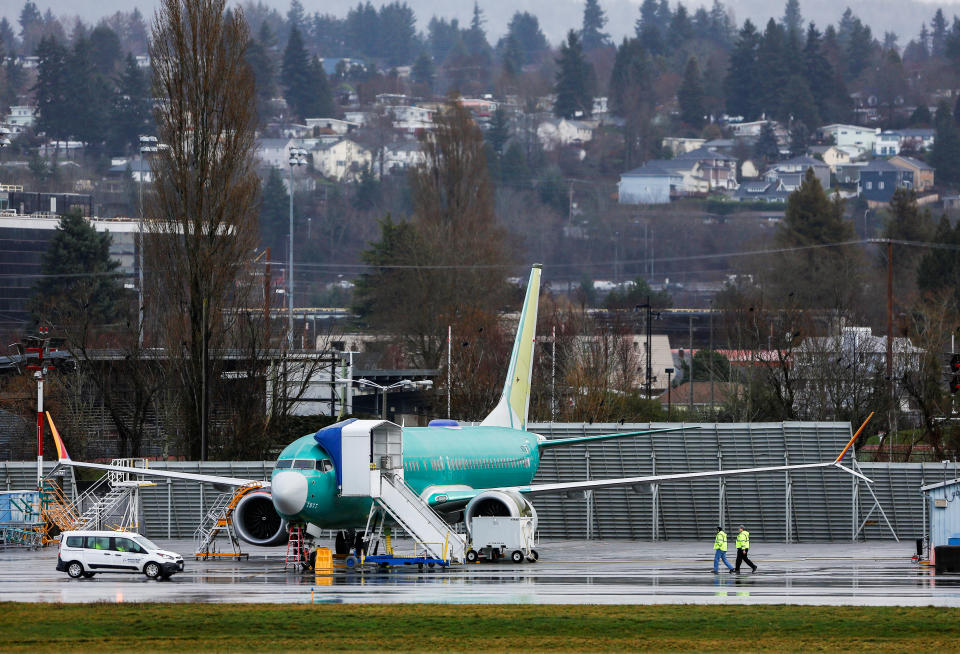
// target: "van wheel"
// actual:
[[75, 569], [88, 575], [152, 570]]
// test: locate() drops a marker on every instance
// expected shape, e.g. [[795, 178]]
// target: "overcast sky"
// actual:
[[557, 16]]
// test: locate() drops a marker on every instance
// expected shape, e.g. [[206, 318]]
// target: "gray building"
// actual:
[[655, 182]]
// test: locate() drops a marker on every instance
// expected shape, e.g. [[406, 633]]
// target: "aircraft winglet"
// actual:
[[61, 448], [850, 444]]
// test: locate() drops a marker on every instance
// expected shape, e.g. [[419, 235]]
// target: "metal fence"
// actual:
[[813, 505]]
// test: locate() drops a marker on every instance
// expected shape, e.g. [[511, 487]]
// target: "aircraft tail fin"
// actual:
[[511, 410]]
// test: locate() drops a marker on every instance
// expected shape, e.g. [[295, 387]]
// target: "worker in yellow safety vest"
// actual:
[[743, 545], [720, 551]]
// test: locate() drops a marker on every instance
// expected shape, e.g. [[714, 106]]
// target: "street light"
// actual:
[[298, 157], [405, 384], [147, 144]]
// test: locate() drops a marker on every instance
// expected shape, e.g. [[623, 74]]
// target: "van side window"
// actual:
[[74, 541], [126, 545], [98, 542]]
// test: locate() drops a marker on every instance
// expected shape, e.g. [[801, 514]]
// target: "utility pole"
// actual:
[[691, 366], [648, 347], [298, 157], [890, 425], [38, 344], [266, 300]]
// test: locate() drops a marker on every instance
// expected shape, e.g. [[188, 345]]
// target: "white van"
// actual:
[[86, 553]]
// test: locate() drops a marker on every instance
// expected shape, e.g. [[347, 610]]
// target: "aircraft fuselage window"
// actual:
[[284, 463], [305, 464]]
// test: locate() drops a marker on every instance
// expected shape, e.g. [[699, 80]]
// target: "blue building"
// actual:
[[880, 178]]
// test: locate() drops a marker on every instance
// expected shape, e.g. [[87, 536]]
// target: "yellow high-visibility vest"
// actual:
[[743, 540], [721, 542]]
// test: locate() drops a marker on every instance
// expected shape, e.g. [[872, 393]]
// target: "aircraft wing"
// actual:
[[167, 474], [592, 484], [65, 460]]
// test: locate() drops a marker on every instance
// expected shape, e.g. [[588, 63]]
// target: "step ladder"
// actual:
[[104, 507], [296, 554], [418, 519], [56, 512], [218, 520]]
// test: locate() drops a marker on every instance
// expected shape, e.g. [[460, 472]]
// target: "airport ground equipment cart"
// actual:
[[493, 538], [384, 561]]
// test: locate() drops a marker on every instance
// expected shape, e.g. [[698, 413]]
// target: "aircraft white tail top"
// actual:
[[511, 410]]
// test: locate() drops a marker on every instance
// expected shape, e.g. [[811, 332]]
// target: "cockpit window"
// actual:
[[284, 463], [325, 465], [305, 464]]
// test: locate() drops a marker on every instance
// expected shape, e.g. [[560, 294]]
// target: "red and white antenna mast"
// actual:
[[39, 345]]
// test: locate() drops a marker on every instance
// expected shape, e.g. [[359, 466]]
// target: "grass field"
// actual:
[[142, 628]]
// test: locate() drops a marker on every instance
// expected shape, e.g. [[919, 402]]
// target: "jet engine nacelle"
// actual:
[[500, 503], [257, 522]]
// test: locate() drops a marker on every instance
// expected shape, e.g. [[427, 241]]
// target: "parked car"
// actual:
[[86, 553]]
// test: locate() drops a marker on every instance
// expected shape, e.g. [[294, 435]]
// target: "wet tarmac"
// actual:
[[574, 572]]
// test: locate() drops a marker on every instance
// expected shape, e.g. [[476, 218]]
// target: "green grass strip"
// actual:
[[140, 628]]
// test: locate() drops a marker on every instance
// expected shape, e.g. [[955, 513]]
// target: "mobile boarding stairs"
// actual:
[[368, 457]]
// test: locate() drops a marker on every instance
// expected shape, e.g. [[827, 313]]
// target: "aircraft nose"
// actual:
[[289, 492]]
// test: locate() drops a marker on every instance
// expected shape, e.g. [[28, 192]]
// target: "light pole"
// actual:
[[406, 384], [147, 144], [669, 372], [298, 157]]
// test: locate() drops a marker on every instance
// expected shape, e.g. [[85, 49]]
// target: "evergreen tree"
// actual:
[[939, 269], [573, 82], [945, 157], [499, 131], [31, 28], [938, 33], [742, 75], [8, 40], [79, 284], [442, 36], [591, 32], [296, 75], [773, 69], [797, 102], [362, 26], [792, 19], [90, 97], [274, 211], [690, 95], [766, 148], [130, 114], [319, 98], [524, 30], [106, 51], [907, 222], [921, 116], [860, 49], [630, 81], [52, 88], [475, 38], [398, 33], [261, 65], [513, 166], [512, 57], [423, 71], [680, 29], [650, 33]]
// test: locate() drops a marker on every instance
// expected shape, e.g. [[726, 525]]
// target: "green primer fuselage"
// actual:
[[466, 457]]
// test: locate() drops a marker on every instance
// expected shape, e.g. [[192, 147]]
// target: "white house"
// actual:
[[862, 138], [21, 117], [342, 160], [275, 152], [334, 125], [891, 142], [660, 180], [410, 119], [400, 156], [554, 132]]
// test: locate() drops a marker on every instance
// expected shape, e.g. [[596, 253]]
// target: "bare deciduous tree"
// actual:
[[205, 200]]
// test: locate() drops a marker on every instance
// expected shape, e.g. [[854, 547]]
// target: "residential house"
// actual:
[[790, 173], [275, 152], [752, 128], [411, 119], [850, 173], [625, 358], [342, 160], [660, 180], [139, 169], [831, 155], [879, 179], [479, 107], [554, 132], [761, 191], [720, 170], [400, 156], [705, 396], [863, 138], [891, 142], [922, 171], [20, 118], [679, 145], [331, 125]]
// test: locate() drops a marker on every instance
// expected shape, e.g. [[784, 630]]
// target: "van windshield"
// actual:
[[145, 543]]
